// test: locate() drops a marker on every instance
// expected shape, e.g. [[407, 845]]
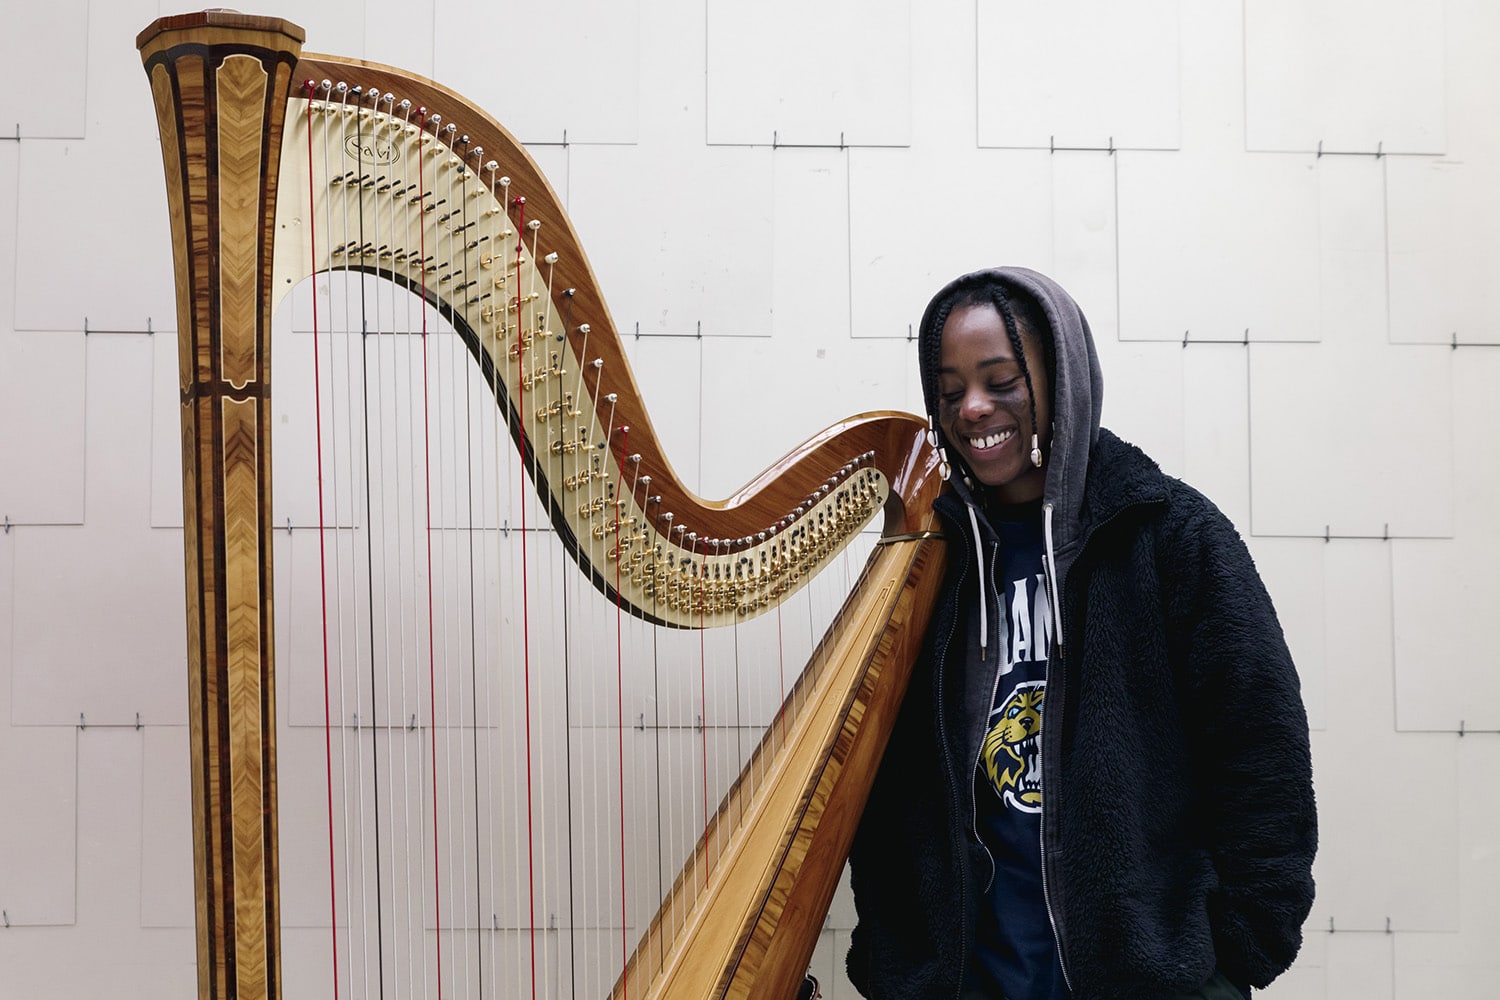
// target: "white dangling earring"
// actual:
[[944, 469], [1036, 451]]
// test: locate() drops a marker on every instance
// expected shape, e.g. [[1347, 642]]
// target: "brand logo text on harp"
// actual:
[[369, 150]]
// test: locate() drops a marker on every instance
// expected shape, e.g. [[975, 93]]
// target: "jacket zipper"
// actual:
[[994, 686], [1056, 585], [963, 867], [1056, 654]]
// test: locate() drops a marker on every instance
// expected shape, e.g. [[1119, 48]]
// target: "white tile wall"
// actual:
[[45, 67], [944, 94], [1438, 252], [115, 953], [1443, 675], [547, 71], [338, 27], [810, 264], [1319, 74], [1216, 426], [1470, 75], [806, 269], [110, 177], [763, 389], [166, 432], [1366, 880], [1341, 453], [773, 76], [1463, 964], [1134, 407], [166, 828], [10, 159], [674, 66], [396, 33], [922, 216], [39, 772], [42, 400], [1195, 228], [1213, 75], [1086, 236], [660, 239], [131, 658], [1034, 60], [1352, 229]]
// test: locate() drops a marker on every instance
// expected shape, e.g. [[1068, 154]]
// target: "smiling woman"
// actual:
[[1085, 760]]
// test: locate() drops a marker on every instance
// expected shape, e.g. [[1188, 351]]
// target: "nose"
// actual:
[[976, 404]]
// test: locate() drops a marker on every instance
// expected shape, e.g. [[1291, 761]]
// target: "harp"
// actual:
[[267, 149]]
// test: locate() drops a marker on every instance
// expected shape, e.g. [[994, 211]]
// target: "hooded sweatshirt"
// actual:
[[1178, 826]]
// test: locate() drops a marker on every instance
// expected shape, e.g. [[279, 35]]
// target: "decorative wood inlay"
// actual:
[[166, 114], [198, 727], [197, 336], [241, 86], [243, 610], [208, 704]]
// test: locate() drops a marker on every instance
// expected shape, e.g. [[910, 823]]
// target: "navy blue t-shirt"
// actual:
[[1015, 953]]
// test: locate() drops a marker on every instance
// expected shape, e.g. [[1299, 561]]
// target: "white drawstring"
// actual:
[[1051, 567], [984, 597]]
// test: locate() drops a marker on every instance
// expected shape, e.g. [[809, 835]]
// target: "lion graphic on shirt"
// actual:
[[1011, 752]]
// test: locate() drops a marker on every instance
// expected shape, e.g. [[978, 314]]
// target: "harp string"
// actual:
[[564, 859], [358, 630], [461, 490], [525, 607], [602, 891], [423, 558], [620, 715], [399, 452], [333, 911], [498, 477]]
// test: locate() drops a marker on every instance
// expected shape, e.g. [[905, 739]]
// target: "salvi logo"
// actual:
[[369, 150]]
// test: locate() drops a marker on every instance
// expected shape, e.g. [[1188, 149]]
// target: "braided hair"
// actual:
[[1018, 311]]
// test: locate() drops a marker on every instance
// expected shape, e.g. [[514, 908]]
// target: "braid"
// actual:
[[930, 352], [1001, 303]]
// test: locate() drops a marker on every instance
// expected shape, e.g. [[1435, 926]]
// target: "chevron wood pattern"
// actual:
[[241, 88], [250, 708]]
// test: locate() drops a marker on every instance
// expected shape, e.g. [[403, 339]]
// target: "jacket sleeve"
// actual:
[[1252, 764]]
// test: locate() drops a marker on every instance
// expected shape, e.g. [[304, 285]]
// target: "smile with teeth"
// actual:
[[991, 440]]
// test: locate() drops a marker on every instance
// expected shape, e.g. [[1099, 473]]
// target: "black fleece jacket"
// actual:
[[1179, 826]]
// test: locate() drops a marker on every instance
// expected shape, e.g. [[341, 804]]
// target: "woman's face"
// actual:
[[984, 408]]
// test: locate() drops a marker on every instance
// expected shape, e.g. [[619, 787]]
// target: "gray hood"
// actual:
[[1077, 396]]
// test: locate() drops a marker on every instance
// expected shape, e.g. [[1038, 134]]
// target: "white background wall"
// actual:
[[1278, 215]]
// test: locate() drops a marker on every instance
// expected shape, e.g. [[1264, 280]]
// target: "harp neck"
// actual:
[[464, 218]]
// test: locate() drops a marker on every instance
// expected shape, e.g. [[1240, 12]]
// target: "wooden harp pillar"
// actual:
[[220, 105]]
